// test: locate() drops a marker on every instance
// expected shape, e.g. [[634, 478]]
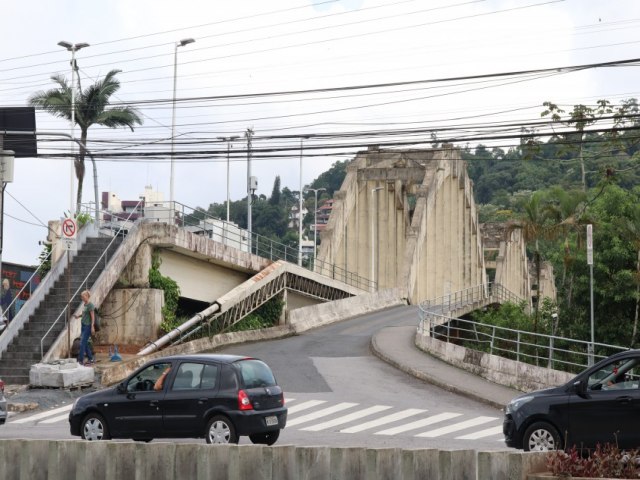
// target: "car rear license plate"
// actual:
[[271, 421]]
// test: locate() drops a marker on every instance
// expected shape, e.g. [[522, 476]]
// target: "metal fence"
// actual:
[[200, 222], [535, 348]]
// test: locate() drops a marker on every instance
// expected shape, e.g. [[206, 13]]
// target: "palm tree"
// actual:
[[535, 226], [91, 108]]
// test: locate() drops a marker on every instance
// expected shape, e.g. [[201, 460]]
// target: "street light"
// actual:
[[315, 222], [73, 48], [228, 140], [181, 43], [373, 238]]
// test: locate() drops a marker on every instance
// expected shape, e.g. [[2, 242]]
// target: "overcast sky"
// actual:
[[248, 47]]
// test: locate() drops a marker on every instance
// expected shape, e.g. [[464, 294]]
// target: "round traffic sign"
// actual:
[[69, 228]]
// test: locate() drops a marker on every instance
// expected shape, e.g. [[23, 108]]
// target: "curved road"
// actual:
[[340, 394]]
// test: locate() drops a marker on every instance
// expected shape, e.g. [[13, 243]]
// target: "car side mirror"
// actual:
[[122, 388], [580, 387]]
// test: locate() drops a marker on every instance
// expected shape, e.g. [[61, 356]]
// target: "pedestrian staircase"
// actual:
[[46, 323]]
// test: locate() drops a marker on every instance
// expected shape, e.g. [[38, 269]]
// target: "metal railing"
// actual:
[[201, 223], [84, 283], [519, 345], [16, 297]]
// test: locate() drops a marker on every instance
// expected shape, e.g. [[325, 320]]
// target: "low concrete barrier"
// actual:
[[306, 318], [519, 375], [63, 460]]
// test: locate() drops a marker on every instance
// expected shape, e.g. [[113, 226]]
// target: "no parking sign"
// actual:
[[70, 234]]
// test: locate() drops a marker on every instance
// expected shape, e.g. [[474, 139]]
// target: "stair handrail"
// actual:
[[16, 323], [28, 282], [84, 282]]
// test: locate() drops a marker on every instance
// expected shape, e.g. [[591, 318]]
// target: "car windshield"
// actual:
[[256, 374]]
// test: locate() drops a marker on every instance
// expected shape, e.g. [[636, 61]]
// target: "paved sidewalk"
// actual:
[[395, 345]]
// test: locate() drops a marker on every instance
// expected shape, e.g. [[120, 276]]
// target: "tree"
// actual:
[[91, 108]]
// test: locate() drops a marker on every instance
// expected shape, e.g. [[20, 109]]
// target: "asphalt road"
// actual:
[[339, 394]]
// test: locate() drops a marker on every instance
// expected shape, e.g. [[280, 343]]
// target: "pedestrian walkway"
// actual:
[[396, 346]]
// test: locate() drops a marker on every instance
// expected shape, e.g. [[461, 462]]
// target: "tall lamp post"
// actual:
[[181, 43], [315, 222], [373, 238], [300, 208], [73, 48], [228, 140]]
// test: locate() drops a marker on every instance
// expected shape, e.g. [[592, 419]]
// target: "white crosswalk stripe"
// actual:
[[441, 417], [40, 416], [320, 413], [487, 432], [55, 419], [347, 418], [383, 421], [456, 427], [305, 406]]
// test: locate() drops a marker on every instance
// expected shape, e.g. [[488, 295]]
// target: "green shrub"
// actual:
[[171, 294]]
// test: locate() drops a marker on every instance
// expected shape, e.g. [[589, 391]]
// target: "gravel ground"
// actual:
[[22, 398]]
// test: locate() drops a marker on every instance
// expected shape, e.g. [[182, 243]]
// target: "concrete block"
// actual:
[[10, 463], [312, 463], [62, 460], [283, 463], [122, 462], [420, 464], [155, 460], [214, 462], [61, 374], [348, 463], [254, 461], [91, 460], [510, 465], [457, 465], [34, 458], [383, 463], [186, 461]]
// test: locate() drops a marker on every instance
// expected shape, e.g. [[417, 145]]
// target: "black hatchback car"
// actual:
[[218, 397], [600, 405]]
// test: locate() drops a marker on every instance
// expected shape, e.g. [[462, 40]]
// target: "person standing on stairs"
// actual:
[[87, 328]]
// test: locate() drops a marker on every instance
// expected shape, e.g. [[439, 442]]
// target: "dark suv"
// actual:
[[600, 405], [218, 397]]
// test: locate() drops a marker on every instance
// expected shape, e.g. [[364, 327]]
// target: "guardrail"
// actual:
[[534, 348]]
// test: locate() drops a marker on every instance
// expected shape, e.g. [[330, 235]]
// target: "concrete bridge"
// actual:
[[403, 220]]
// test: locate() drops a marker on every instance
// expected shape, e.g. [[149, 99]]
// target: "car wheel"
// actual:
[[221, 430], [268, 438], [94, 428], [541, 437]]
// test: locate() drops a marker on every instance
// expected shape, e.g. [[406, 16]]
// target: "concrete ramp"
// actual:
[[276, 279]]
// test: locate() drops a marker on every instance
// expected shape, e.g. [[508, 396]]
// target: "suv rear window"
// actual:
[[256, 374]]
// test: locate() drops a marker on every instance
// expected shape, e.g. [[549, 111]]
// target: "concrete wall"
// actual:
[[199, 280], [518, 375], [322, 314], [130, 315], [297, 300], [63, 460]]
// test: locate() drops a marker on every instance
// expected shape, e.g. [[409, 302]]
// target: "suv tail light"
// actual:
[[243, 401], [1, 386]]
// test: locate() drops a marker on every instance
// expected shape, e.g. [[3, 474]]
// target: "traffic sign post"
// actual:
[[70, 234]]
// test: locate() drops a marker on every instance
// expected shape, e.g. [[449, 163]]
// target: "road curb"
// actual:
[[379, 352]]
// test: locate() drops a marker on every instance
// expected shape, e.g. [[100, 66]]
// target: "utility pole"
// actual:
[[300, 210], [248, 135]]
